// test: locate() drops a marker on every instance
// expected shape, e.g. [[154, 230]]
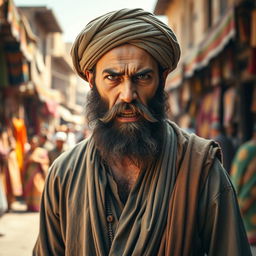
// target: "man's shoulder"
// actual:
[[53, 150], [70, 160], [195, 149], [188, 140]]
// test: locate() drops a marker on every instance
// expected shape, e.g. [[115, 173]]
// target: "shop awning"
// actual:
[[212, 45]]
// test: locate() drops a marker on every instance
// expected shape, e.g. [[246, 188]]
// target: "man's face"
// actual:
[[123, 75], [127, 105], [59, 144]]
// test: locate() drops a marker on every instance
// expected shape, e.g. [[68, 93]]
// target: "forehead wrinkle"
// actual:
[[126, 61], [128, 69]]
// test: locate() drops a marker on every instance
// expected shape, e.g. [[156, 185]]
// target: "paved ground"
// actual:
[[18, 231]]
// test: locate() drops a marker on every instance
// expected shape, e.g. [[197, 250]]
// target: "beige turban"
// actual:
[[133, 26]]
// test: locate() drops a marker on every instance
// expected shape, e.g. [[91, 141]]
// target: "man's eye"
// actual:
[[112, 77], [143, 77]]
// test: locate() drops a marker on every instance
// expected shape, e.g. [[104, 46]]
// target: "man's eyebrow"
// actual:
[[112, 72], [143, 72]]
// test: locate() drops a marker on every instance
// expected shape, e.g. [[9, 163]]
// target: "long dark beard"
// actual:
[[138, 141]]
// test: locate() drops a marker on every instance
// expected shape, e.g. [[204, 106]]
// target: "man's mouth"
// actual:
[[128, 116]]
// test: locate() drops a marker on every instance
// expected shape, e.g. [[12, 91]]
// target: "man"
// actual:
[[44, 142], [243, 175], [139, 185], [60, 139]]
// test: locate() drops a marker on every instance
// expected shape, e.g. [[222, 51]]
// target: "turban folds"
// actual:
[[134, 26]]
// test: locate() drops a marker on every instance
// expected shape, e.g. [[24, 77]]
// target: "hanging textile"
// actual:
[[208, 113], [229, 105], [213, 43], [18, 70], [20, 134]]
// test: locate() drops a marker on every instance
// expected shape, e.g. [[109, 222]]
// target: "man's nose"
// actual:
[[128, 92]]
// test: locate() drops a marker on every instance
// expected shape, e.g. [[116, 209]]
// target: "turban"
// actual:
[[134, 26]]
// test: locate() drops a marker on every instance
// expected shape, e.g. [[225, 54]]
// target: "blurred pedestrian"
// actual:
[[35, 170], [60, 140], [139, 185], [226, 144], [243, 175], [44, 142], [10, 174]]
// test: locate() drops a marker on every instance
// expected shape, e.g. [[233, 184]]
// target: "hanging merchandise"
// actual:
[[20, 134], [208, 113], [197, 86], [17, 66], [229, 106], [228, 64], [253, 29], [215, 73], [185, 95]]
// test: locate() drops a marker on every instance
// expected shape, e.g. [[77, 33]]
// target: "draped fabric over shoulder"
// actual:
[[162, 215], [132, 26]]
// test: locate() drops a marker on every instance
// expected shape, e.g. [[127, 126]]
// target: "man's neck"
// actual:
[[125, 174]]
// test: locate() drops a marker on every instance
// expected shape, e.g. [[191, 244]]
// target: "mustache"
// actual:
[[136, 107]]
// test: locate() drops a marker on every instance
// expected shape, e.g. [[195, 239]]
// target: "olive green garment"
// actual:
[[183, 204]]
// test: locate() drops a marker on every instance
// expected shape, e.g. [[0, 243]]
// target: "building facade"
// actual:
[[216, 77]]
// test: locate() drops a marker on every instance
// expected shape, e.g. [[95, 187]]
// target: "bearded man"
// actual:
[[139, 185]]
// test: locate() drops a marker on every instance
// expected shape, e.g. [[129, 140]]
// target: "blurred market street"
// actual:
[[18, 231], [54, 95]]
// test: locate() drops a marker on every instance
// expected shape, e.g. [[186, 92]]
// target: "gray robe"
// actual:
[[183, 204]]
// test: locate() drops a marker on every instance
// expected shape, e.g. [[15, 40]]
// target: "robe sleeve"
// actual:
[[221, 228], [50, 239]]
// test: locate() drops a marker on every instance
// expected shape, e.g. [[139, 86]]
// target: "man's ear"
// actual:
[[89, 76]]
